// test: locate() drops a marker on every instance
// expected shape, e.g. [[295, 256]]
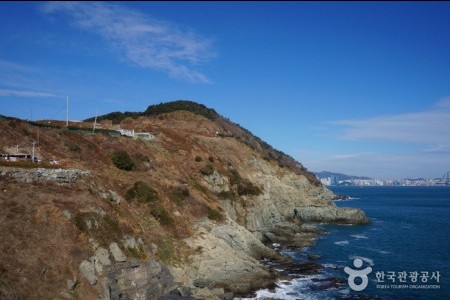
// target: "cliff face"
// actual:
[[189, 217]]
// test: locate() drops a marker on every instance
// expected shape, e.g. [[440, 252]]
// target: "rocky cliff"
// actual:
[[186, 215]]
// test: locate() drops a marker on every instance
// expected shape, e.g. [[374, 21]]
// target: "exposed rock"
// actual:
[[332, 214], [66, 295], [227, 259], [94, 243], [111, 196], [313, 256], [149, 280], [154, 248], [130, 243], [72, 284], [201, 282], [88, 271], [184, 291], [217, 183], [99, 211], [67, 214], [41, 174], [228, 296], [118, 255], [328, 283], [291, 235], [100, 260]]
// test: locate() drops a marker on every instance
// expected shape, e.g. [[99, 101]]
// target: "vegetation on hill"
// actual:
[[191, 106], [156, 192], [123, 161], [162, 108], [229, 129]]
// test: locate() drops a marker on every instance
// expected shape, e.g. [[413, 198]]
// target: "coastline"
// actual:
[[287, 270]]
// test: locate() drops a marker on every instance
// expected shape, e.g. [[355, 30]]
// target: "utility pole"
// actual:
[[67, 111], [95, 121], [32, 156]]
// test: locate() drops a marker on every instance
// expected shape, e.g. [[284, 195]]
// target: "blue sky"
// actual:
[[361, 88]]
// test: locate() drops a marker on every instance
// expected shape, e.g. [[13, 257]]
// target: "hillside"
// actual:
[[224, 127], [184, 215], [340, 176]]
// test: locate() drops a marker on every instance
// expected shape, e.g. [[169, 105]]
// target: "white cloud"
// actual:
[[16, 93], [144, 41], [431, 127]]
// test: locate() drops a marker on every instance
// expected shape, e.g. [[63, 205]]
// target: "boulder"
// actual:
[[331, 214], [111, 196], [88, 271], [149, 280], [118, 255]]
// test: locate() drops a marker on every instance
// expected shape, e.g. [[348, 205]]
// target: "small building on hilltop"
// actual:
[[136, 135]]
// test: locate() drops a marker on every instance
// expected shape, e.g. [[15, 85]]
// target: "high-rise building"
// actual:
[[334, 180]]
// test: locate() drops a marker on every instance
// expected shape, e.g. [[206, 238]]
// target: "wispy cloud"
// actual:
[[22, 93], [7, 65], [144, 41], [431, 126]]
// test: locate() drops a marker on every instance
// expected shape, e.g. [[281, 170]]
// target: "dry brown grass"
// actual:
[[40, 248]]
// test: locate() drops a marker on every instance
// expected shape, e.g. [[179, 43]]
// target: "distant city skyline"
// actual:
[[359, 88], [333, 179]]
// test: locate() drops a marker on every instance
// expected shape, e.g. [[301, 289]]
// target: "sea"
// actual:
[[406, 248]]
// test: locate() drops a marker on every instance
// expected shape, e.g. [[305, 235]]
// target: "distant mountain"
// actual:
[[339, 176]]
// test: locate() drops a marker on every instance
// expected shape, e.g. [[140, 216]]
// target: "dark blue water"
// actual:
[[410, 231]]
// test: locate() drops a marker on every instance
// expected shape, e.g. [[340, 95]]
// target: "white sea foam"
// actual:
[[366, 259], [359, 236], [295, 289], [329, 266], [377, 250], [341, 243]]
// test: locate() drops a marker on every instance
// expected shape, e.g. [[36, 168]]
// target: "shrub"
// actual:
[[235, 177], [72, 146], [207, 170], [112, 225], [163, 216], [198, 159], [179, 194], [211, 159], [142, 192], [80, 223], [13, 122], [248, 188], [123, 161], [214, 214], [227, 195]]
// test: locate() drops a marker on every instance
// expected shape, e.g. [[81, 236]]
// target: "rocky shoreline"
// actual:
[[234, 263], [300, 235]]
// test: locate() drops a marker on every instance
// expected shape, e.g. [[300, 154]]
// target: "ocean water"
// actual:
[[410, 232]]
